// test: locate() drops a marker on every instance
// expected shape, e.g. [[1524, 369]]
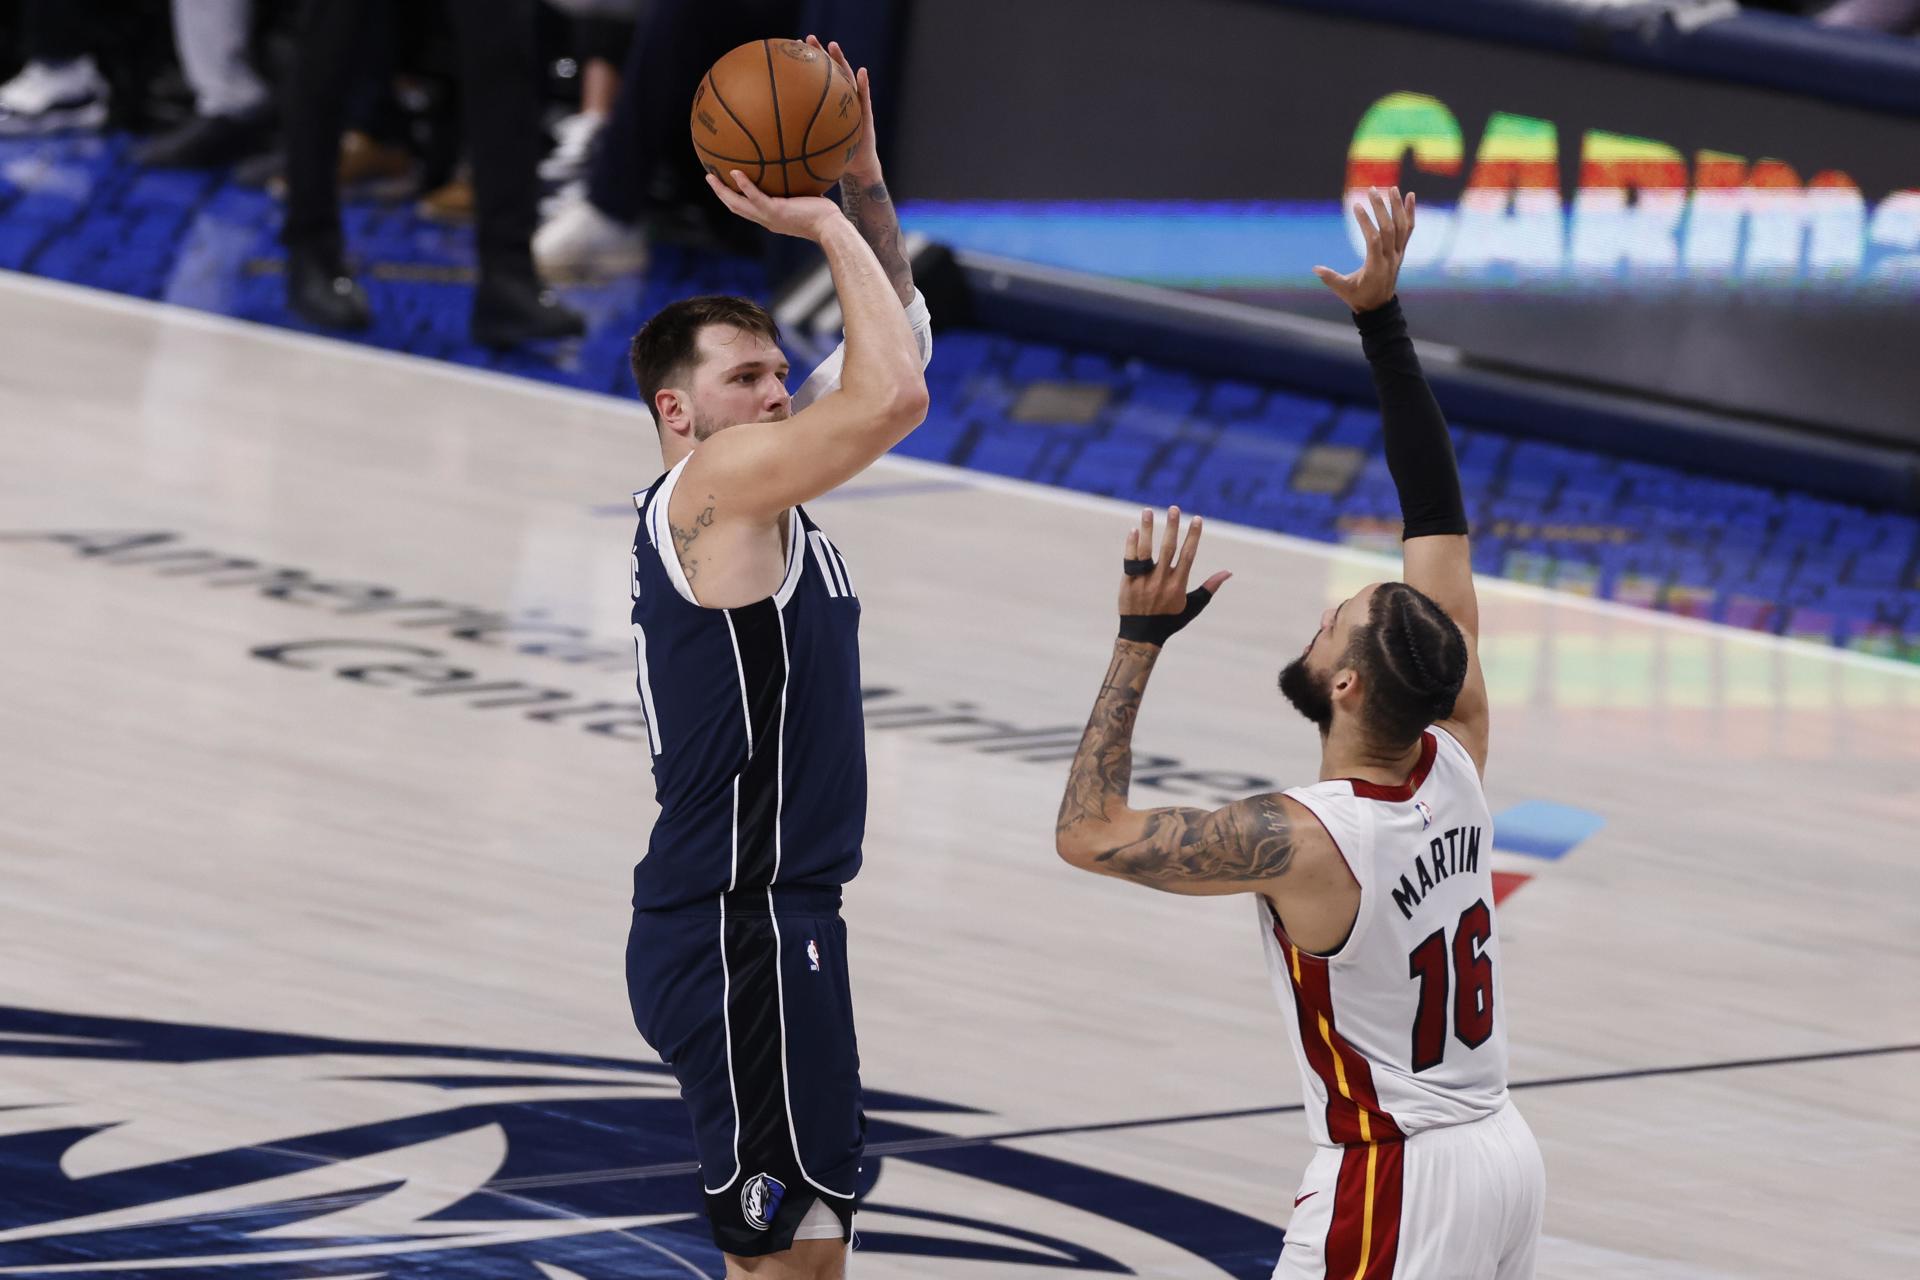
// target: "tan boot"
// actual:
[[374, 169], [451, 204]]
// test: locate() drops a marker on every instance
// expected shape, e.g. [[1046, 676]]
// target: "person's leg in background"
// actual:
[[375, 160], [434, 55], [644, 160], [868, 30], [502, 102], [601, 46], [233, 111], [319, 288], [583, 237], [60, 88]]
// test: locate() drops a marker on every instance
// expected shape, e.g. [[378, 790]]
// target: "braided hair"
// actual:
[[1412, 661]]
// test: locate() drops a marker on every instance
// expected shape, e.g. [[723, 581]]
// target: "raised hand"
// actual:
[[863, 191], [865, 165], [805, 217], [1386, 232], [1154, 600]]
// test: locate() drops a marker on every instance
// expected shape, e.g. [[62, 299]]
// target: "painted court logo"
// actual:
[[141, 1150], [760, 1200]]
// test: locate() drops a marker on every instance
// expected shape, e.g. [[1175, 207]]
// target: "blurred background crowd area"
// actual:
[[556, 129], [1666, 277]]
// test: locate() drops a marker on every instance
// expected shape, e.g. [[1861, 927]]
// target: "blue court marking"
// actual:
[[1543, 829], [592, 1144]]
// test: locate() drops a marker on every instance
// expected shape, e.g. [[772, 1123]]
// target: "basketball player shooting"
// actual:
[[746, 627], [1373, 885]]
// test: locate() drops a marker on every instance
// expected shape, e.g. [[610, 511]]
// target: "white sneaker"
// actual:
[[572, 193], [573, 144], [582, 241], [48, 98]]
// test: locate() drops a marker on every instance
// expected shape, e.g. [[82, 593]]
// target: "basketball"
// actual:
[[782, 113]]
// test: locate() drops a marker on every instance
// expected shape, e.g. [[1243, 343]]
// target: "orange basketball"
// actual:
[[782, 113]]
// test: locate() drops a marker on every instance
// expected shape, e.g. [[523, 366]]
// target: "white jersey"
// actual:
[[1403, 1028]]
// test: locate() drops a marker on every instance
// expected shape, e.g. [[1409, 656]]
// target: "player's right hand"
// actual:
[[1154, 600], [1386, 233], [805, 217]]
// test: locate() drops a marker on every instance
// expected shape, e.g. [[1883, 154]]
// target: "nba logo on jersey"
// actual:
[[813, 956], [760, 1200], [1426, 813]]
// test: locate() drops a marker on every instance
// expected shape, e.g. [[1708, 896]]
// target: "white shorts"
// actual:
[[1460, 1203]]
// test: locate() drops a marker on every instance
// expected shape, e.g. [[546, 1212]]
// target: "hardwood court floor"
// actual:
[[253, 880]]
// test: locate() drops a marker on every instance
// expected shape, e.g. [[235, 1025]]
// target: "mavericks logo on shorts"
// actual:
[[760, 1200]]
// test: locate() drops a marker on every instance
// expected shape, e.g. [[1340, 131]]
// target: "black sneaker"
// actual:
[[208, 142], [512, 307], [321, 292]]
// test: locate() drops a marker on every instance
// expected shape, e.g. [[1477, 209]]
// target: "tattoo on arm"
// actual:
[[870, 208], [1103, 767], [1248, 841], [684, 536]]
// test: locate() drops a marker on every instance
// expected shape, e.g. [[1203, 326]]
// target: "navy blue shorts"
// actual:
[[748, 1001]]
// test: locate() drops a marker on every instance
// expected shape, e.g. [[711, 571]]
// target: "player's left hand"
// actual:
[[1154, 600], [865, 165], [1386, 232]]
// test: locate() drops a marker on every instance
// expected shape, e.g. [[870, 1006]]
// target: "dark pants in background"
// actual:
[[644, 160], [674, 44], [500, 85], [56, 30]]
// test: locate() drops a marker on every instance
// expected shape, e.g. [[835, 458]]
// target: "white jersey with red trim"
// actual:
[[1403, 1028]]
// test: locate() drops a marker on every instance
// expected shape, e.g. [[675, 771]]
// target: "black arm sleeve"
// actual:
[[1419, 450]]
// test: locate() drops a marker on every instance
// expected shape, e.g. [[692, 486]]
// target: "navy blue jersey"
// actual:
[[754, 715]]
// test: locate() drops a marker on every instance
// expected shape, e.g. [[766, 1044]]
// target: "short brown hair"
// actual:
[[668, 345]]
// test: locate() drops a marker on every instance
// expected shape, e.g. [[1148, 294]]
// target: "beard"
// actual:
[[1310, 694], [705, 427]]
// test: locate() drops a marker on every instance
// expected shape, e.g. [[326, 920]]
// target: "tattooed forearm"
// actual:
[[870, 209], [1103, 768], [1249, 840], [684, 536]]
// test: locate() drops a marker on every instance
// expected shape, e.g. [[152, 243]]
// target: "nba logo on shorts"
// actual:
[[813, 956], [760, 1200]]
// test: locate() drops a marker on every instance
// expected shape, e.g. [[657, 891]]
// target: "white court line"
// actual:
[[575, 397]]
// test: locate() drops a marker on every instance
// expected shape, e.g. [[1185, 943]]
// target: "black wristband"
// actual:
[[1157, 628]]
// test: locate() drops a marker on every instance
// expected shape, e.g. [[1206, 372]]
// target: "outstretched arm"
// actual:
[[1181, 850], [758, 469], [1194, 851], [869, 207], [863, 189], [1419, 449]]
